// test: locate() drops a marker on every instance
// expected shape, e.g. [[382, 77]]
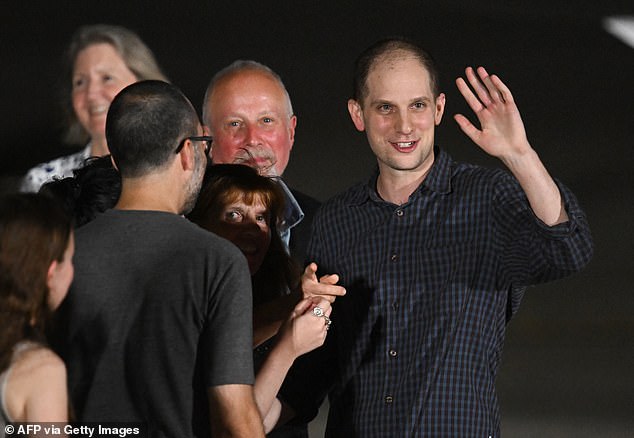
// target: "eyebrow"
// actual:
[[389, 102], [271, 113]]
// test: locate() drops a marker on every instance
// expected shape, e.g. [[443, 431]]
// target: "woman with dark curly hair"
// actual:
[[36, 269]]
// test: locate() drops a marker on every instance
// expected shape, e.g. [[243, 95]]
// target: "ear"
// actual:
[[113, 163], [50, 275], [186, 155], [440, 108], [356, 113], [292, 124]]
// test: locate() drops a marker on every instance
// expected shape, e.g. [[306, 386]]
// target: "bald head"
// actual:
[[249, 114], [391, 51]]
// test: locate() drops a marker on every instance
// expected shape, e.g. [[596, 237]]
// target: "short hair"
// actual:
[[93, 189], [394, 48], [145, 123], [226, 183], [238, 67], [34, 232], [134, 52]]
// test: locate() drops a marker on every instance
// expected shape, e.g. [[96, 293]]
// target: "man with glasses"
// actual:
[[159, 316]]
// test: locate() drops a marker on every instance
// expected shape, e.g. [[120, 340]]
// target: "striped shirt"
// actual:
[[431, 285]]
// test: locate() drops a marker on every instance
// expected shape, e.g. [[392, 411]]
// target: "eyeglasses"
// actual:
[[207, 140]]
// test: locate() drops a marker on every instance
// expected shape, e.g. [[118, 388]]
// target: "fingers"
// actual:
[[303, 306], [307, 305], [502, 89], [467, 127], [314, 302], [326, 287], [329, 279], [311, 270], [473, 102], [324, 311], [489, 89], [314, 317], [480, 84], [325, 305]]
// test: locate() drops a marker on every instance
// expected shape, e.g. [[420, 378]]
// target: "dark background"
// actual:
[[568, 367]]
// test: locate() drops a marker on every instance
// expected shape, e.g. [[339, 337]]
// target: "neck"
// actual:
[[98, 147], [397, 186], [150, 193]]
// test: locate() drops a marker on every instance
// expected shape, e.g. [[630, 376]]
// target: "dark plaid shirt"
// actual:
[[431, 285]]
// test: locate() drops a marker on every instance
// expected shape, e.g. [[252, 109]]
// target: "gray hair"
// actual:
[[237, 67]]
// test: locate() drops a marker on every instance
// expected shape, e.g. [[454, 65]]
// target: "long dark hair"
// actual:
[[223, 184], [34, 232]]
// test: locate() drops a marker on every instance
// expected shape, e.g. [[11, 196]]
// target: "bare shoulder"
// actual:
[[38, 360], [38, 375]]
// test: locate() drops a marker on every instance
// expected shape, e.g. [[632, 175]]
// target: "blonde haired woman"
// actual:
[[101, 60]]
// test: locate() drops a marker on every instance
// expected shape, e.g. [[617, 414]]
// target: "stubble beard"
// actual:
[[194, 184]]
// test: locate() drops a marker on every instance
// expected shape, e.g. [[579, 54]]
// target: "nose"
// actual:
[[93, 88], [252, 137], [403, 123], [250, 229]]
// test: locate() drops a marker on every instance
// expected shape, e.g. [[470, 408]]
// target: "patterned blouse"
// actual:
[[58, 168]]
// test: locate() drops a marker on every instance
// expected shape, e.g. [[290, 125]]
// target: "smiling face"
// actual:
[[99, 74], [246, 225], [249, 117], [399, 114]]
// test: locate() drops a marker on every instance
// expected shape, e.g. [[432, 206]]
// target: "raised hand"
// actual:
[[502, 135], [502, 132]]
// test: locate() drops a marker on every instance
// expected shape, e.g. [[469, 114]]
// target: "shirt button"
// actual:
[[395, 305], [393, 353], [394, 257], [389, 399], [400, 212]]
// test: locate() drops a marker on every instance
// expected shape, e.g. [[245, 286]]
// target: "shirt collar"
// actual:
[[85, 153], [438, 180], [293, 213]]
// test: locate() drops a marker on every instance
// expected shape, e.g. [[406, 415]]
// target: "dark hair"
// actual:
[[34, 232], [93, 189], [145, 123], [137, 56], [394, 48], [225, 183]]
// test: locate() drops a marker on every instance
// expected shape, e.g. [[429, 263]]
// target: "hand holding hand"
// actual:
[[303, 331], [322, 288], [502, 133]]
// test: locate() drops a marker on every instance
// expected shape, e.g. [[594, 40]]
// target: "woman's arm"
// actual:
[[301, 333], [268, 317]]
